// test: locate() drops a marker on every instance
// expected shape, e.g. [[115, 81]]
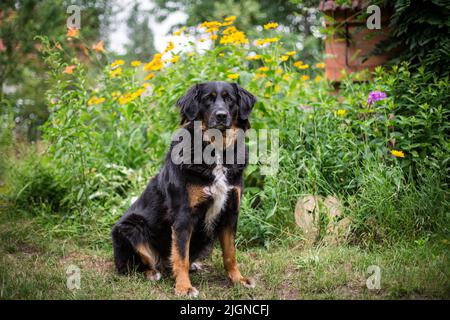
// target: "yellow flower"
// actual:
[[290, 53], [115, 72], [317, 79], [233, 76], [320, 65], [156, 64], [117, 63], [115, 94], [260, 75], [254, 57], [210, 25], [298, 63], [278, 71], [263, 69], [179, 31], [284, 58], [213, 37], [174, 59], [277, 88], [222, 54], [398, 153], [341, 112], [169, 47], [150, 76], [260, 42], [95, 100], [303, 66], [230, 18], [304, 77], [271, 25], [286, 77], [268, 84], [231, 35], [135, 63]]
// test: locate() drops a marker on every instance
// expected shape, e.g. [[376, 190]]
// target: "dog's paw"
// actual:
[[247, 282], [196, 266], [190, 292], [152, 275]]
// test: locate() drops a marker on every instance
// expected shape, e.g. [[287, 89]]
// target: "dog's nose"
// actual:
[[221, 116]]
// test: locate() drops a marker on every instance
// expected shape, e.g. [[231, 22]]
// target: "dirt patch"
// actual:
[[88, 262]]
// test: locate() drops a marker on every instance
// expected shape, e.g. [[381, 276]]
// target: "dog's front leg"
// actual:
[[181, 236], [226, 238]]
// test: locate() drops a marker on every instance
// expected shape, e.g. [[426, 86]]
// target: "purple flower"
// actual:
[[375, 96]]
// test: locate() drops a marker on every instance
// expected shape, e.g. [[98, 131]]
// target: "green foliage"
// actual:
[[33, 183], [420, 31], [21, 68]]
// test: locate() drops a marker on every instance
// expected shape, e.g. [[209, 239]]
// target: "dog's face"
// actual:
[[218, 105]]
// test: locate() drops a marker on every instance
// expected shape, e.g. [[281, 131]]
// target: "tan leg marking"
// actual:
[[238, 196], [226, 238], [180, 269], [149, 259]]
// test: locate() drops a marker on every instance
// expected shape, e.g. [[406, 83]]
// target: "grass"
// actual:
[[34, 259]]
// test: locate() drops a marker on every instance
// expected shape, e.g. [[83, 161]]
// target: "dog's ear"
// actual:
[[189, 103], [246, 101]]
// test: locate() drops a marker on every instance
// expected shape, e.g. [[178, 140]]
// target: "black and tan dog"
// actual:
[[186, 207]]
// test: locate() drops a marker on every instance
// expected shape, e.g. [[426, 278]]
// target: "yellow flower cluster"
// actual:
[[254, 57], [117, 63], [233, 76], [128, 97], [261, 42], [271, 25], [156, 64], [116, 72], [231, 35], [341, 112], [135, 63], [95, 100]]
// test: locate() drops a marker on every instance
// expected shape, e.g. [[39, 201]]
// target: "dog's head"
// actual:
[[218, 105]]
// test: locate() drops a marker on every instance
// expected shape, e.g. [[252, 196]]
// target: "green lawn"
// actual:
[[34, 258]]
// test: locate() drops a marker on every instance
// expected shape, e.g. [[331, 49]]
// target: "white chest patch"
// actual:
[[218, 190]]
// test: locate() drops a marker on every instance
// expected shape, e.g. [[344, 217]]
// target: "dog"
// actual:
[[187, 206]]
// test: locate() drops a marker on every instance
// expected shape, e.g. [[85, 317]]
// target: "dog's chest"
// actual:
[[218, 190]]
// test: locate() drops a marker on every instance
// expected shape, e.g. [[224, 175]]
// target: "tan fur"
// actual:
[[196, 194], [147, 256], [238, 195], [226, 238], [180, 267]]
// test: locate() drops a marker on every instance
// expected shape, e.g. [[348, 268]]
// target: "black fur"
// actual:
[[164, 204]]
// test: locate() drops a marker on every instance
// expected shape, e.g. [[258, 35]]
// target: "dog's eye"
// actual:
[[213, 94], [225, 95]]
